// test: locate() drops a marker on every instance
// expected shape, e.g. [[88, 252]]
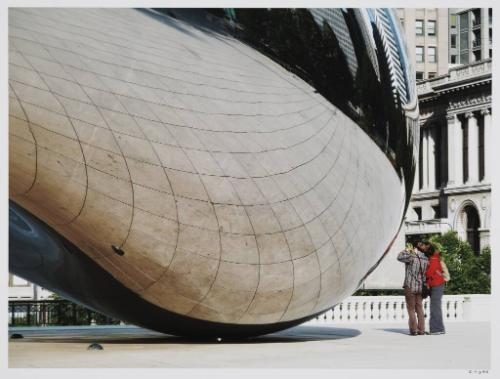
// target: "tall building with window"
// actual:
[[470, 35], [426, 34]]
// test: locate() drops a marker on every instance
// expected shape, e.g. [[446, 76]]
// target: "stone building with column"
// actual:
[[452, 188]]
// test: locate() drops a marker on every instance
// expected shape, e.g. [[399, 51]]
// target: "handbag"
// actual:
[[425, 291]]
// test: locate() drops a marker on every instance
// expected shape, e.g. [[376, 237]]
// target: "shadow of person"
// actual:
[[396, 330]]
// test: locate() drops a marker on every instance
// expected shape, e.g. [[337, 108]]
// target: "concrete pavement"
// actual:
[[357, 346]]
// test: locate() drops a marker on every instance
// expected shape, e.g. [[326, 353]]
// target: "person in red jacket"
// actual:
[[436, 282]]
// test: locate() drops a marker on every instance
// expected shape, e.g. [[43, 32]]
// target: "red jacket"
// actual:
[[434, 273]]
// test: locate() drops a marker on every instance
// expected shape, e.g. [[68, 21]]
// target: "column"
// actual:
[[473, 150], [487, 143], [455, 162], [443, 159], [425, 159], [485, 35], [431, 151]]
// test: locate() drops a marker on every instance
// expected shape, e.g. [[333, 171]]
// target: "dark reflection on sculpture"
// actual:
[[341, 53]]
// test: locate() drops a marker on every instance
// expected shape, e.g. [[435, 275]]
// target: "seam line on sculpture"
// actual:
[[88, 46], [34, 142], [169, 105], [159, 121], [166, 76], [77, 139], [278, 220], [166, 177], [177, 45], [280, 148], [162, 89], [165, 272], [195, 199], [116, 142], [238, 205], [324, 147], [136, 51]]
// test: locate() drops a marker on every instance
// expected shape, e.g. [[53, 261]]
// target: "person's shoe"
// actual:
[[413, 333], [436, 333], [421, 333]]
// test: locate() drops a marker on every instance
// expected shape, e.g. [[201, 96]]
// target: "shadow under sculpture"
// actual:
[[202, 179]]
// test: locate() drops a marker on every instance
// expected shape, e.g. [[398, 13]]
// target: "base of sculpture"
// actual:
[[42, 256]]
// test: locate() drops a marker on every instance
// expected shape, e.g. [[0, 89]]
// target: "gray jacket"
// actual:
[[415, 266]]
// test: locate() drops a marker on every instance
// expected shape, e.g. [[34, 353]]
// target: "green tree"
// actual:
[[470, 273]]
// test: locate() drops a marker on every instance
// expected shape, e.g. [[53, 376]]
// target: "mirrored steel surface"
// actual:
[[207, 172]]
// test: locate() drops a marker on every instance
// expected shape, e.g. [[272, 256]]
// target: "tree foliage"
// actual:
[[470, 273]]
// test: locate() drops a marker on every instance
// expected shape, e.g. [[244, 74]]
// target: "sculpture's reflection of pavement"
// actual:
[[465, 346]]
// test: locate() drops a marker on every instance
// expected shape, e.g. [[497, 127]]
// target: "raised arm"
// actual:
[[405, 256]]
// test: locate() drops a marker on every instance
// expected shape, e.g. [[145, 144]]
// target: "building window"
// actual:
[[437, 211], [453, 21], [477, 55], [431, 75], [472, 226], [453, 59], [431, 27], [419, 75], [431, 51], [464, 57], [464, 21], [418, 212], [419, 54], [453, 40], [402, 22], [419, 27], [464, 40]]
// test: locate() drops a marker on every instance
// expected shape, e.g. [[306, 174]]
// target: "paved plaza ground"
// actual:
[[358, 346]]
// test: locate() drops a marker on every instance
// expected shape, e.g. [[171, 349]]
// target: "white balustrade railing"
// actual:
[[392, 309], [455, 74]]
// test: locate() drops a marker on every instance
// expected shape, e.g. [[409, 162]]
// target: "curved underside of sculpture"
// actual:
[[173, 172]]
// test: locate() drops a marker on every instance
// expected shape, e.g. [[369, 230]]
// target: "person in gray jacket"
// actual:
[[415, 267]]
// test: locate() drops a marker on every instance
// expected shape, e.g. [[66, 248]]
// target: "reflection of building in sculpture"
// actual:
[[21, 289], [453, 186], [336, 20]]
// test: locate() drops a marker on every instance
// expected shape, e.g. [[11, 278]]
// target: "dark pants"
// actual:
[[415, 311], [436, 320]]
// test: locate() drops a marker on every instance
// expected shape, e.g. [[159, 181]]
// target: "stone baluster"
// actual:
[[337, 313]]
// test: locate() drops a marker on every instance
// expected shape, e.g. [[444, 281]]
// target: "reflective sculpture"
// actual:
[[207, 172]]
